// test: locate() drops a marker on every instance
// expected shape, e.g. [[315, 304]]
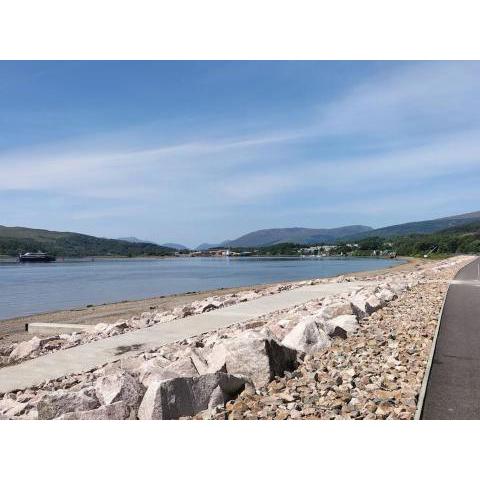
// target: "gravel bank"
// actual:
[[375, 374]]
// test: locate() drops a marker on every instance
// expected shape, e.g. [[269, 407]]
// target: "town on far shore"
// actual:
[[385, 250]]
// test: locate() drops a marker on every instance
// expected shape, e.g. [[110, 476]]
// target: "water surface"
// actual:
[[35, 288]]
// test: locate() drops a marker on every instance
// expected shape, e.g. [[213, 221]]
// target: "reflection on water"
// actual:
[[35, 288]]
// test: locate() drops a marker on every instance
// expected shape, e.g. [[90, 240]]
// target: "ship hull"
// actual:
[[46, 259]]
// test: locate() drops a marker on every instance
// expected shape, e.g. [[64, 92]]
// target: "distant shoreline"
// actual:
[[10, 259]]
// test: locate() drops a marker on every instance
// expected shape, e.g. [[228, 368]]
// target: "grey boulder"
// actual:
[[149, 368], [57, 403], [307, 337], [187, 396], [386, 295], [335, 309], [364, 305], [114, 411], [346, 322], [183, 367], [255, 356], [117, 387]]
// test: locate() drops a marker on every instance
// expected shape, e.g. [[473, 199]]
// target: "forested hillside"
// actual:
[[15, 240]]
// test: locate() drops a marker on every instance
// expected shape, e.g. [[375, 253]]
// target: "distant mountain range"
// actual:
[[273, 236], [426, 226], [305, 236], [14, 240]]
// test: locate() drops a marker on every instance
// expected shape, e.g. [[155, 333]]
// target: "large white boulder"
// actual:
[[386, 295], [140, 322], [25, 349], [307, 337], [183, 367], [250, 295], [163, 317], [254, 356], [359, 306], [117, 387], [159, 370], [100, 327], [217, 358], [348, 323], [183, 396], [150, 367], [398, 287], [56, 403], [116, 328], [374, 303], [184, 311], [364, 304]]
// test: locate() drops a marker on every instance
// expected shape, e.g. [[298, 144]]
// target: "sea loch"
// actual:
[[36, 288]]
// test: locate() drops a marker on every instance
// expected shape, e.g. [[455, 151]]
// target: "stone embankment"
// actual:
[[357, 355]]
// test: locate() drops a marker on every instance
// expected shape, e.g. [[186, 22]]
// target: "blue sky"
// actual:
[[204, 151]]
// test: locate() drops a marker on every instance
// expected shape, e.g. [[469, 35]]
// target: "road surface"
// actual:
[[453, 388]]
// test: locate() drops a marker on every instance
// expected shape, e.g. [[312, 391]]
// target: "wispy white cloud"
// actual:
[[451, 156], [416, 97], [72, 165]]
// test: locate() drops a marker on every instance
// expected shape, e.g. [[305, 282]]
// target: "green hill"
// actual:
[[457, 239], [15, 240], [427, 226]]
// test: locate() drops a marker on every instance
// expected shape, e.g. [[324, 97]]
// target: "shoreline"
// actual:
[[13, 329], [9, 260]]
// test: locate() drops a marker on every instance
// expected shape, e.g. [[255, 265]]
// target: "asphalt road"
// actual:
[[453, 388]]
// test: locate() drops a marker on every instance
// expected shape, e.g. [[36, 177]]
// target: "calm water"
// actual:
[[26, 289]]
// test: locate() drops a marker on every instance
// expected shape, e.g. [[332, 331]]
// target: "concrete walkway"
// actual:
[[453, 388], [90, 355]]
